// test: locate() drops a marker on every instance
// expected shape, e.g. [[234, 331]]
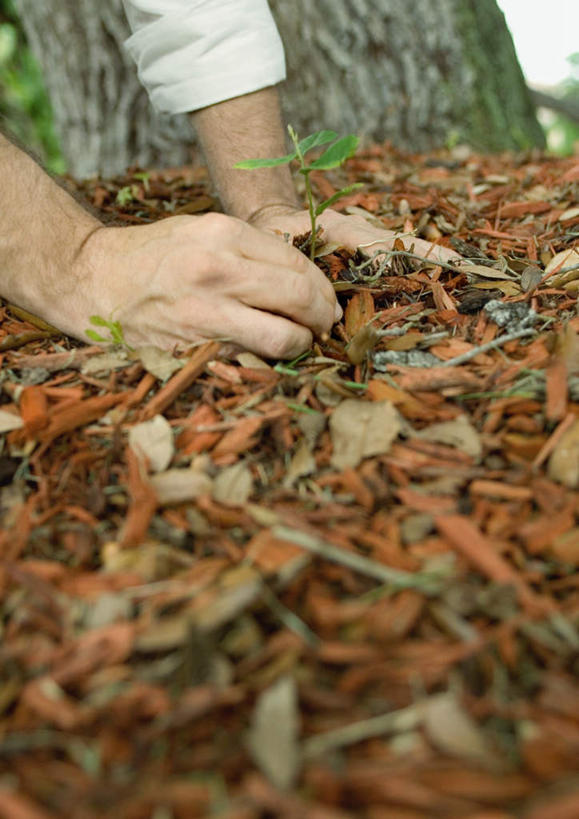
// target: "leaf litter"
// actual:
[[343, 586]]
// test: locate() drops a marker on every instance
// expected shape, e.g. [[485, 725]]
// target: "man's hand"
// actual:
[[351, 232], [213, 276]]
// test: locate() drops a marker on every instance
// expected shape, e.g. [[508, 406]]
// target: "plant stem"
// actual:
[[309, 195]]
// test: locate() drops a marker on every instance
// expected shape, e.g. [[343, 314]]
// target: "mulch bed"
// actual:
[[340, 586]]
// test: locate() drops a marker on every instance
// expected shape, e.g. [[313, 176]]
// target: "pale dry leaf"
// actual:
[[164, 635], [564, 461], [273, 735], [9, 421], [560, 261], [233, 485], [180, 485], [509, 288], [571, 213], [570, 349], [252, 361], [159, 363], [154, 440], [483, 271], [103, 363], [450, 728], [152, 560], [360, 429], [312, 424], [238, 589], [458, 433], [531, 277], [302, 463]]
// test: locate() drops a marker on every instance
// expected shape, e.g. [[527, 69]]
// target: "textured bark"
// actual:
[[103, 117], [418, 73]]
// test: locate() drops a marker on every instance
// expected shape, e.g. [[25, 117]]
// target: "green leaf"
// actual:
[[336, 153], [94, 335], [314, 140], [99, 321], [125, 195], [338, 195], [251, 164]]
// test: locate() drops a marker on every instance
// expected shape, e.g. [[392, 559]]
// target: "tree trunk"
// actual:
[[102, 114], [419, 74]]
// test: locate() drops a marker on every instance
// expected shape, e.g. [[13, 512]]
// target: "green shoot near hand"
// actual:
[[334, 156], [116, 335]]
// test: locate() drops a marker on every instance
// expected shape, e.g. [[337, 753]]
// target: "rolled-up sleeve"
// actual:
[[194, 53]]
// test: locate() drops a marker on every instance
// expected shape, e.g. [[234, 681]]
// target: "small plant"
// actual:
[[125, 195], [334, 156], [116, 335]]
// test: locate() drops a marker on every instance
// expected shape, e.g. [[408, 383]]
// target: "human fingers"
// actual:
[[282, 291], [356, 232], [259, 331], [262, 246]]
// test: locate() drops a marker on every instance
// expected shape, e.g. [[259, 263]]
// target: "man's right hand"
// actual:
[[187, 278]]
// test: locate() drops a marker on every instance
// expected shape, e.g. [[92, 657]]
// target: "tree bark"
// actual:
[[419, 74], [102, 114]]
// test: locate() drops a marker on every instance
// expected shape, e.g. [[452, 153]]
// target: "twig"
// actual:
[[402, 720], [385, 574], [491, 345], [553, 440], [16, 340], [408, 254]]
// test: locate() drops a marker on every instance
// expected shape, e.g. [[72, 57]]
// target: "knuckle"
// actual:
[[302, 293], [216, 224]]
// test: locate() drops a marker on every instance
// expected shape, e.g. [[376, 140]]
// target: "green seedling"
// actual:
[[334, 156], [116, 335], [124, 195]]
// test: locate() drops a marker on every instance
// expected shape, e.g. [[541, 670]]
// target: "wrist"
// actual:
[[263, 215]]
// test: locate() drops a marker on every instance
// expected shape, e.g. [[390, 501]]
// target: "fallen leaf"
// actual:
[[564, 461], [571, 213], [180, 485], [302, 463], [105, 362], [273, 734], [9, 421], [233, 485], [458, 433], [153, 561], [561, 260], [159, 363], [360, 429], [252, 361], [154, 440], [454, 732]]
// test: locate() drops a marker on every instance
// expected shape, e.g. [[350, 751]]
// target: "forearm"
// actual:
[[246, 127], [42, 231]]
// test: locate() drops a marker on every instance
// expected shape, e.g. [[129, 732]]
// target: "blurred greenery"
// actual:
[[24, 105], [562, 133]]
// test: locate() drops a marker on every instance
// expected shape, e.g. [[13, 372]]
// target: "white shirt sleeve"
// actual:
[[194, 53]]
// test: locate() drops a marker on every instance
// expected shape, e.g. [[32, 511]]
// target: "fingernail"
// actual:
[[338, 313]]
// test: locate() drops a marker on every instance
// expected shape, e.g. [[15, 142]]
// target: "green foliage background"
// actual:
[[563, 134], [24, 105]]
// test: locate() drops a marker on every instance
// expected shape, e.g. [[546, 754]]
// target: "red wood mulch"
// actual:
[[343, 586]]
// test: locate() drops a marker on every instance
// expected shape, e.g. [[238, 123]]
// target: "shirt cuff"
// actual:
[[195, 53]]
